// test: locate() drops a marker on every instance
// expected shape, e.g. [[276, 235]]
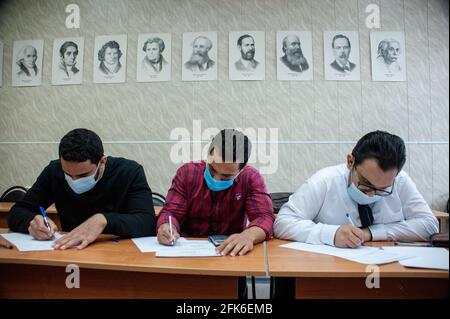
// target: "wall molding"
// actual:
[[207, 141]]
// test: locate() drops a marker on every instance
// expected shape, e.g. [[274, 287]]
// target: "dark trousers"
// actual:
[[242, 288], [282, 288]]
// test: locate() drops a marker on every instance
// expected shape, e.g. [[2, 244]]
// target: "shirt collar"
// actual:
[[347, 65]]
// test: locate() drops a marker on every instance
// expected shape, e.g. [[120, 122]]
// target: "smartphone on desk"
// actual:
[[217, 240]]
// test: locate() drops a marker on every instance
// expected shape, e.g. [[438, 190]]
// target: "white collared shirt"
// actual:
[[319, 207], [246, 63], [32, 71], [345, 67]]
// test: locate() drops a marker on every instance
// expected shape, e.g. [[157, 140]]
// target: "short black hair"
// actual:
[[340, 36], [242, 37], [228, 140], [65, 45], [80, 145], [387, 149]]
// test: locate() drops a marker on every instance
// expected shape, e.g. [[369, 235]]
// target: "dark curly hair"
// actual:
[[110, 44], [80, 145]]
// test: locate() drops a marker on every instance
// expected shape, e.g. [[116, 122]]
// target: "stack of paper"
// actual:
[[25, 242], [188, 248], [151, 244], [423, 257], [182, 247], [362, 254]]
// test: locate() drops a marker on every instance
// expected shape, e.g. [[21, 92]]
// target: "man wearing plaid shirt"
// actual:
[[220, 196]]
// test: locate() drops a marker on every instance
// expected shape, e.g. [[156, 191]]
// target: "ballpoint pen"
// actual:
[[171, 230], [353, 224], [412, 244], [350, 220], [7, 246], [44, 215]]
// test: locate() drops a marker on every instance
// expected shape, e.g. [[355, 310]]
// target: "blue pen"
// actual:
[[171, 230], [350, 220], [45, 217], [352, 223]]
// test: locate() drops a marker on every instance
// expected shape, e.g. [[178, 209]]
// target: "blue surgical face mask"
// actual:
[[216, 185], [83, 184], [360, 197]]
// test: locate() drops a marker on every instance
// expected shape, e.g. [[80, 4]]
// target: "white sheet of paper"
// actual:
[[25, 242], [150, 244], [424, 257], [363, 254], [379, 257], [188, 248]]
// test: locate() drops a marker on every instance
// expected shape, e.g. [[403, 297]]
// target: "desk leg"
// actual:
[[31, 281], [329, 288]]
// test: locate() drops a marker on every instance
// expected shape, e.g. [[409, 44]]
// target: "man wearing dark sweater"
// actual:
[[93, 194]]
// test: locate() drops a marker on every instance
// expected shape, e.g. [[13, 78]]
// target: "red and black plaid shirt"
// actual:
[[198, 211]]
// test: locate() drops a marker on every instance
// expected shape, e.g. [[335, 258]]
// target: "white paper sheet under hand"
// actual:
[[363, 254], [423, 257], [188, 248], [151, 244], [25, 242]]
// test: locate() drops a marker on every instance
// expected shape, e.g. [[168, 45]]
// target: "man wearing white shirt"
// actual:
[[109, 57], [26, 62], [200, 60], [293, 57], [247, 62], [381, 200], [68, 53], [341, 49], [388, 54]]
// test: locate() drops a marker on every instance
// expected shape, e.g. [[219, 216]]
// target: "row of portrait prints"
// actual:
[[200, 57]]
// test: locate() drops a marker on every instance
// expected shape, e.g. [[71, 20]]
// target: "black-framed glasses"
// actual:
[[370, 189]]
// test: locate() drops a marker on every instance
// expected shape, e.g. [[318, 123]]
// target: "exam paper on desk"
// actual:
[[423, 257], [363, 254], [151, 244], [25, 242], [188, 248]]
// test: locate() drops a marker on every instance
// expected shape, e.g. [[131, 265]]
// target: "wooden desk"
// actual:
[[443, 221], [324, 276], [120, 270], [440, 215], [51, 211]]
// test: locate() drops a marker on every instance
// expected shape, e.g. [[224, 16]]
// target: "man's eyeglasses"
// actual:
[[370, 189]]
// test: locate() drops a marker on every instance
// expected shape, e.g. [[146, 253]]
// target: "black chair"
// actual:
[[278, 200], [158, 199], [13, 194]]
